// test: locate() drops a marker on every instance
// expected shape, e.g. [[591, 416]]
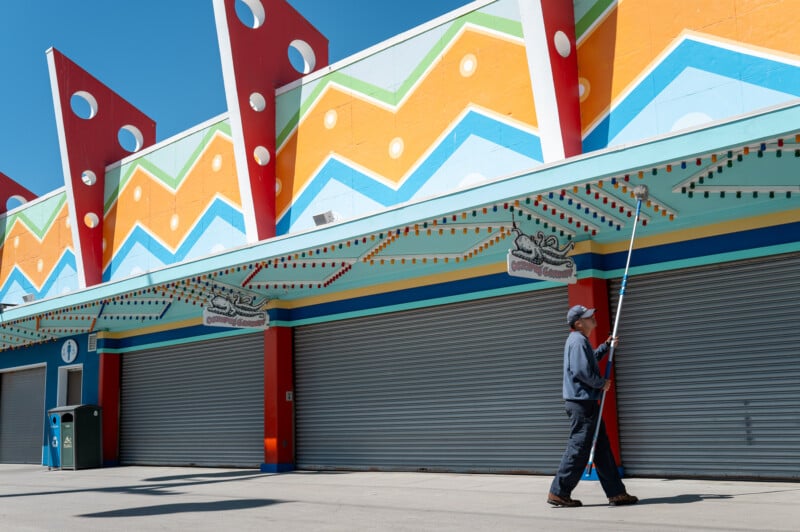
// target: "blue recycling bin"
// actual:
[[53, 440]]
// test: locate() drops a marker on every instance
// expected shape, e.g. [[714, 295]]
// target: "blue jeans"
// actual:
[[583, 420]]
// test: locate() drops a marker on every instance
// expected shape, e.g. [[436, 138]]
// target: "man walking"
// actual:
[[583, 387]]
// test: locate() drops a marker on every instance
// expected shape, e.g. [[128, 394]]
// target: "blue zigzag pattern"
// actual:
[[473, 123], [758, 71], [67, 260], [217, 209]]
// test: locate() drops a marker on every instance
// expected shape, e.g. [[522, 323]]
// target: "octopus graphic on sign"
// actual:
[[540, 256], [235, 310]]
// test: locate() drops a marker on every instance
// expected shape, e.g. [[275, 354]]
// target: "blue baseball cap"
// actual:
[[577, 312]]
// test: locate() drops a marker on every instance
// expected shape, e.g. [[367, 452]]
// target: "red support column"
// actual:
[[110, 376], [559, 24], [548, 28], [593, 293], [278, 401], [255, 61]]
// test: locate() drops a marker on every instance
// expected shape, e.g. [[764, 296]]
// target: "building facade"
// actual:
[[319, 278]]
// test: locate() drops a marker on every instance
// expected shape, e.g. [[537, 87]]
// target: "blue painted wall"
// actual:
[[49, 354]]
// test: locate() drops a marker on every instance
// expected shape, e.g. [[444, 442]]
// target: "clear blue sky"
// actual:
[[161, 55]]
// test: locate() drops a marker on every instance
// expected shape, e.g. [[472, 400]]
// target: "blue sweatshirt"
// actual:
[[582, 379]]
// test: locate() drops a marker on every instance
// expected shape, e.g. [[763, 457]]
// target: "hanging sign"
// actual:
[[539, 256], [235, 310]]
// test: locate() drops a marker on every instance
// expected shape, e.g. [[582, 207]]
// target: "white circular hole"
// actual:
[[91, 220], [563, 46], [257, 102], [130, 138], [261, 155], [83, 104], [88, 177], [15, 201], [302, 56], [250, 12]]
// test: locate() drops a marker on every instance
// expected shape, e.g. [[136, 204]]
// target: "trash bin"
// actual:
[[79, 437], [54, 440]]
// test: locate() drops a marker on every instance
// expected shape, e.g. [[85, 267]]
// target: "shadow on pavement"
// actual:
[[683, 499], [156, 486], [164, 509], [242, 473], [677, 499], [209, 474]]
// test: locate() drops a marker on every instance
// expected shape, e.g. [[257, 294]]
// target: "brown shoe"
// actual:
[[564, 502], [623, 499]]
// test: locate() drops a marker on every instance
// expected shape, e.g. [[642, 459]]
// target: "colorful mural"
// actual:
[[37, 255], [176, 203], [172, 204], [650, 67], [448, 108], [368, 138]]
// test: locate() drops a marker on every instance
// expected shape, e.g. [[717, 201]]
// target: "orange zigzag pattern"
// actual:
[[365, 131], [33, 257], [632, 36], [170, 215]]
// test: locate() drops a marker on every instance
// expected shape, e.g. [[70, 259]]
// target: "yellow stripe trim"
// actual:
[[149, 330]]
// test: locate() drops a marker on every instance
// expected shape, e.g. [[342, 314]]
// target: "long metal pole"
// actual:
[[641, 194]]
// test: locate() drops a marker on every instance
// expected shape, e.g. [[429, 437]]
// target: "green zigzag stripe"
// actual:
[[591, 16], [171, 181], [51, 205], [502, 25]]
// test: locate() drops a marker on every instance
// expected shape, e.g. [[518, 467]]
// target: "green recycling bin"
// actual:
[[80, 443]]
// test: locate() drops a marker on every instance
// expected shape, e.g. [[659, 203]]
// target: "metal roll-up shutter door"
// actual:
[[194, 404], [470, 386], [22, 416], [708, 370]]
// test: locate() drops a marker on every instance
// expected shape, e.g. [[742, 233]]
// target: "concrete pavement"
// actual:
[[169, 498]]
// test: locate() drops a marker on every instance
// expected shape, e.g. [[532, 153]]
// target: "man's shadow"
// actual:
[[683, 499], [677, 499]]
